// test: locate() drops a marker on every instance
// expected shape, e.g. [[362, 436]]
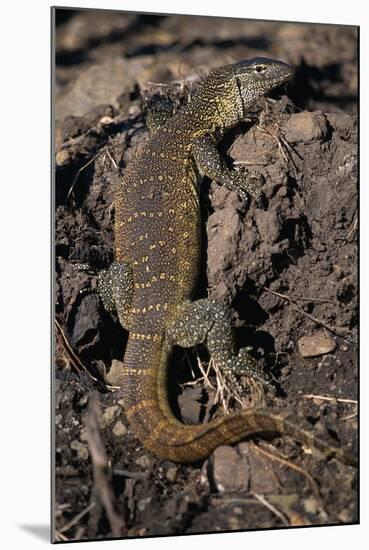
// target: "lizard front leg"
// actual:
[[210, 164], [208, 321]]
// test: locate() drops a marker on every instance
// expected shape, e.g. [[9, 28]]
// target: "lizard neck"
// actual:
[[217, 104]]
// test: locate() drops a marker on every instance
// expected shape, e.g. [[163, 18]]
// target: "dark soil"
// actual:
[[288, 268]]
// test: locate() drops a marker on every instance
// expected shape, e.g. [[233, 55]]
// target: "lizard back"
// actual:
[[157, 227]]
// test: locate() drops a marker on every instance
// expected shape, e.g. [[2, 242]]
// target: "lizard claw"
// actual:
[[248, 184], [247, 365]]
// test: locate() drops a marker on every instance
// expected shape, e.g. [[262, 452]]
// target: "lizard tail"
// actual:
[[145, 397]]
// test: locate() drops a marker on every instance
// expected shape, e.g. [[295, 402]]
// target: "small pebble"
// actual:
[[119, 429], [109, 415], [114, 376], [144, 462], [80, 448], [319, 343], [172, 473], [83, 400], [62, 157], [142, 504], [106, 121], [311, 505], [204, 478]]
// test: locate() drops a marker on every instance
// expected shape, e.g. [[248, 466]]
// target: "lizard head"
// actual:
[[229, 91], [258, 76]]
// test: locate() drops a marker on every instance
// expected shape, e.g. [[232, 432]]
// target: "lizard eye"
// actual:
[[259, 68]]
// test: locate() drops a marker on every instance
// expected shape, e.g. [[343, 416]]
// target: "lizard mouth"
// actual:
[[277, 82], [290, 74], [271, 85], [279, 79]]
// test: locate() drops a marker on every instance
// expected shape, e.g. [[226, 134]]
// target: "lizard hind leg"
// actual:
[[115, 287], [209, 321]]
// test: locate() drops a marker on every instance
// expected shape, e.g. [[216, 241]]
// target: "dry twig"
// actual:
[[339, 331], [76, 518], [289, 464], [59, 537], [79, 172], [270, 507], [326, 398], [102, 473], [72, 357]]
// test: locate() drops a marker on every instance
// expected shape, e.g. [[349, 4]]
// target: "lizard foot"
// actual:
[[246, 364], [208, 321], [115, 287], [246, 184]]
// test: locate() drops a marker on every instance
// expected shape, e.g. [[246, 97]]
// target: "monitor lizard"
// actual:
[[153, 278]]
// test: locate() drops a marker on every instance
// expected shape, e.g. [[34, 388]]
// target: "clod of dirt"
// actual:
[[97, 85], [268, 224], [144, 461], [109, 415], [305, 127], [263, 480], [319, 343], [81, 449], [86, 330], [114, 375], [228, 470], [189, 405], [62, 157], [311, 505], [172, 473], [88, 28], [119, 430]]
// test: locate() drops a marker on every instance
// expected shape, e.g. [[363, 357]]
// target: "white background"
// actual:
[[25, 272]]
